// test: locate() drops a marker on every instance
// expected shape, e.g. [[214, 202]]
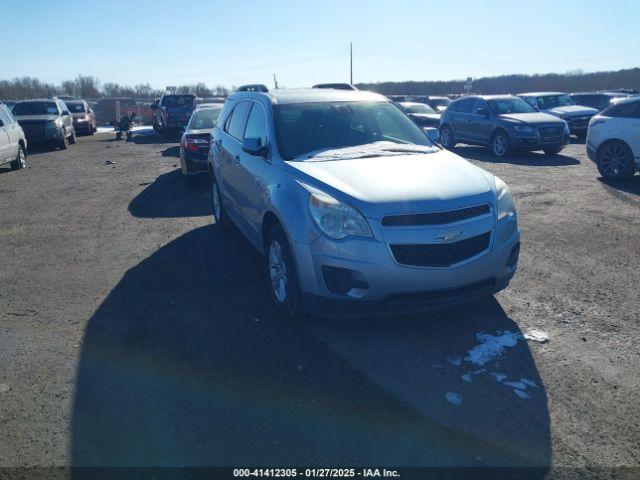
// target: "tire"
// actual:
[[118, 135], [499, 144], [281, 274], [219, 213], [552, 151], [62, 141], [615, 160], [446, 138], [72, 138], [582, 135], [92, 129], [21, 160], [129, 136]]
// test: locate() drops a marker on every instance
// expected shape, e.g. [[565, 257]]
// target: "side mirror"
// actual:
[[253, 146], [65, 113]]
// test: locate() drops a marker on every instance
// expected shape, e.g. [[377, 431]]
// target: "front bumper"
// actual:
[[592, 151], [535, 142], [196, 163], [395, 288], [82, 126]]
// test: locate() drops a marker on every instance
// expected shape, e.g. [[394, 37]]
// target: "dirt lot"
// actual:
[[134, 332]]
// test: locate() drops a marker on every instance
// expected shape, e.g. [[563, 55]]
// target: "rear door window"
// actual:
[[466, 105]]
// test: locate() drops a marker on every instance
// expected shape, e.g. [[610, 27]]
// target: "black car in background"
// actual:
[[439, 104], [421, 113], [194, 145], [173, 112], [503, 123], [597, 100]]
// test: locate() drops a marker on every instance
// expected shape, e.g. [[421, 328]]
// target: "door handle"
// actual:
[[236, 159]]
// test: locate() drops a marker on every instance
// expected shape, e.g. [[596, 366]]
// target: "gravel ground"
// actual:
[[134, 332]]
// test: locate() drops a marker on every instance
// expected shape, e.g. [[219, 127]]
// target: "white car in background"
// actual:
[[613, 139]]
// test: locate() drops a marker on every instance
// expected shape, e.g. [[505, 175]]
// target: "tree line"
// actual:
[[574, 81], [90, 87]]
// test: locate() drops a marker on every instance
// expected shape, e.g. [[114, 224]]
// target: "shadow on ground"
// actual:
[[533, 159], [183, 364], [151, 137], [173, 151], [632, 185], [169, 196]]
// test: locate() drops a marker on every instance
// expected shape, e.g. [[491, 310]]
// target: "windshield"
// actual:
[[302, 129], [553, 101], [35, 108], [75, 107], [204, 118], [502, 106], [177, 100], [417, 108]]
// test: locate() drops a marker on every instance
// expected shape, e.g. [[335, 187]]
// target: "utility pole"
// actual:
[[351, 63], [275, 81]]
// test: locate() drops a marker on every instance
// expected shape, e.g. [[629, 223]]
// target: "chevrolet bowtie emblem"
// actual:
[[449, 235]]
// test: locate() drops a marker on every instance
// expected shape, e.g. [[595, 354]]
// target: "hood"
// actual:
[[572, 111], [43, 118], [533, 117], [399, 184]]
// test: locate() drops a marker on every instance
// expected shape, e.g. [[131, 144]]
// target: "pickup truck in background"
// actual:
[[172, 112]]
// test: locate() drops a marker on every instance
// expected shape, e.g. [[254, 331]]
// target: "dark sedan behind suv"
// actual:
[[503, 123]]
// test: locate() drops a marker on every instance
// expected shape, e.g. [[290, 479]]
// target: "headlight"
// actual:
[[336, 219], [506, 208], [523, 129], [52, 125]]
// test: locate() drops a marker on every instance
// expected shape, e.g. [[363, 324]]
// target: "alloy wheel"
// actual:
[[614, 160], [278, 271], [22, 158], [217, 207], [499, 145]]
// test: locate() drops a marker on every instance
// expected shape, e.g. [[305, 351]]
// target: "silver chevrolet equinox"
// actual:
[[355, 209]]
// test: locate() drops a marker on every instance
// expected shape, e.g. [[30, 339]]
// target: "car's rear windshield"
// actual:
[[306, 127], [35, 108], [204, 118], [417, 108], [503, 106], [75, 107], [439, 102], [553, 101], [177, 100]]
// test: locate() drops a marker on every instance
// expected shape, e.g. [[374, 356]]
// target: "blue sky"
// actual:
[[305, 42]]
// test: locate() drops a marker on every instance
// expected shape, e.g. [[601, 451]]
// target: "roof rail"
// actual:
[[254, 87]]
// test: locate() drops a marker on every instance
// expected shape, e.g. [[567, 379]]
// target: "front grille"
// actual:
[[33, 130], [550, 133], [435, 218], [440, 254]]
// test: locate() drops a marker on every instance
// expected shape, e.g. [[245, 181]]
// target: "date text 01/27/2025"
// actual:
[[315, 472]]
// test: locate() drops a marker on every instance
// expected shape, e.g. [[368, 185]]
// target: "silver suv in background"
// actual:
[[561, 105], [355, 209], [13, 143], [46, 120]]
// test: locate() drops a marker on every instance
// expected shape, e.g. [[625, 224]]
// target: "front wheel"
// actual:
[[500, 145], [446, 138], [281, 274], [72, 138], [20, 161], [615, 161], [219, 213], [62, 141]]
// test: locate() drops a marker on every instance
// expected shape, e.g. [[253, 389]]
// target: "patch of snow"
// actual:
[[453, 398], [498, 376], [516, 385], [466, 377], [528, 382], [521, 394], [537, 336], [491, 346], [479, 371]]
